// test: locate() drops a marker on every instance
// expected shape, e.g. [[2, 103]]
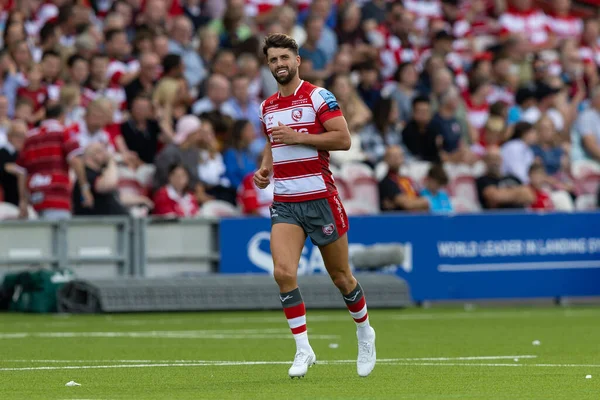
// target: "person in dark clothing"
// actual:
[[140, 132], [497, 191], [415, 135], [144, 84], [397, 192], [8, 157], [102, 175]]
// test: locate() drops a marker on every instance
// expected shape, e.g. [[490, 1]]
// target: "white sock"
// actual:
[[363, 330], [302, 341]]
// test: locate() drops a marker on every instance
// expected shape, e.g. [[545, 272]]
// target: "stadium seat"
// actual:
[[463, 187], [343, 189], [361, 182], [562, 201], [360, 207], [587, 176], [218, 208], [586, 202], [464, 205]]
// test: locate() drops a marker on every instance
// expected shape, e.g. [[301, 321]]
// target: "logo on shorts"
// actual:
[[297, 114], [328, 229]]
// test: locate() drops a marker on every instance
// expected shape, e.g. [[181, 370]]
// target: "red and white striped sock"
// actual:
[[295, 312], [357, 305]]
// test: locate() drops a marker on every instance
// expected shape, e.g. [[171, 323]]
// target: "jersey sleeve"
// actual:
[[326, 105], [70, 145], [262, 118]]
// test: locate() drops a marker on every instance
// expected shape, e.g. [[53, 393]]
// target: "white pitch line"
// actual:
[[470, 358], [231, 334], [333, 362]]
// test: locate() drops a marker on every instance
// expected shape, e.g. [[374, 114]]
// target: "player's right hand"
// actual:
[[261, 178]]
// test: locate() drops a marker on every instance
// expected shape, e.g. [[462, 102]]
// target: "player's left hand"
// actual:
[[284, 134]]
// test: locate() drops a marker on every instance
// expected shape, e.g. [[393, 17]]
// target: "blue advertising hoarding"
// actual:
[[479, 256]]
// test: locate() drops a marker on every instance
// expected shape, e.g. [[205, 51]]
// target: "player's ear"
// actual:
[[298, 59]]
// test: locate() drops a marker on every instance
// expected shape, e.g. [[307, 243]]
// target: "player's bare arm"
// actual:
[[261, 177], [336, 136]]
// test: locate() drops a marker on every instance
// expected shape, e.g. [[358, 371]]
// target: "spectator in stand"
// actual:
[[517, 155], [185, 151], [547, 151], [9, 154], [78, 70], [211, 169], [238, 159], [385, 130], [181, 44], [586, 131], [218, 90], [5, 121], [35, 91], [92, 128], [415, 136], [241, 106], [369, 88], [51, 68], [103, 177], [70, 98], [562, 23], [142, 133], [447, 131], [538, 179], [396, 192], [546, 100], [255, 201], [435, 182], [24, 112], [525, 99], [315, 66], [493, 135], [403, 92], [355, 110], [175, 199], [122, 70], [44, 164], [145, 83], [522, 18], [496, 190], [478, 109]]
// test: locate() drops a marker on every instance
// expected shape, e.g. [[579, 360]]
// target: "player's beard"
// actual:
[[284, 80]]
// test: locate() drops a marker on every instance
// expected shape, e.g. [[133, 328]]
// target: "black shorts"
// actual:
[[323, 220]]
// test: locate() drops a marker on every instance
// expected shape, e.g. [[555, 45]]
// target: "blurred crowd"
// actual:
[[142, 107]]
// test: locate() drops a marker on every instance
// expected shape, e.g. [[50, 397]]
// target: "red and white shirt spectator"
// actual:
[[532, 23], [477, 114], [169, 203], [424, 11], [115, 93], [258, 7], [118, 68], [300, 173], [565, 26], [45, 157], [254, 201], [80, 132], [46, 12], [393, 54]]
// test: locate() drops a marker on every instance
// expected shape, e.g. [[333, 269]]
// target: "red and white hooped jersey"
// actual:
[[532, 23], [565, 26], [300, 173]]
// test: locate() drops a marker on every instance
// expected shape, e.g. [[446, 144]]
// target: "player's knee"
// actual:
[[343, 281], [284, 275]]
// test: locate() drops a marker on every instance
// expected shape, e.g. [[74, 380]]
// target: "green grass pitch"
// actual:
[[444, 353]]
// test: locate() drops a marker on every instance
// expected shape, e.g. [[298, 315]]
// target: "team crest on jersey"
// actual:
[[328, 229], [297, 114]]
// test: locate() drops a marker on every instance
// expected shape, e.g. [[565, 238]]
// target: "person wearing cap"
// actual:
[[184, 150]]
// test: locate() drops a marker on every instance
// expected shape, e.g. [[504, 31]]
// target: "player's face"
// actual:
[[283, 64]]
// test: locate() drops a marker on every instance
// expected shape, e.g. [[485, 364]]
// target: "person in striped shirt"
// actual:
[[303, 122]]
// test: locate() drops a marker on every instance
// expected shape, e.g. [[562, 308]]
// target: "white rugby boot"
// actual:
[[304, 359], [366, 354]]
